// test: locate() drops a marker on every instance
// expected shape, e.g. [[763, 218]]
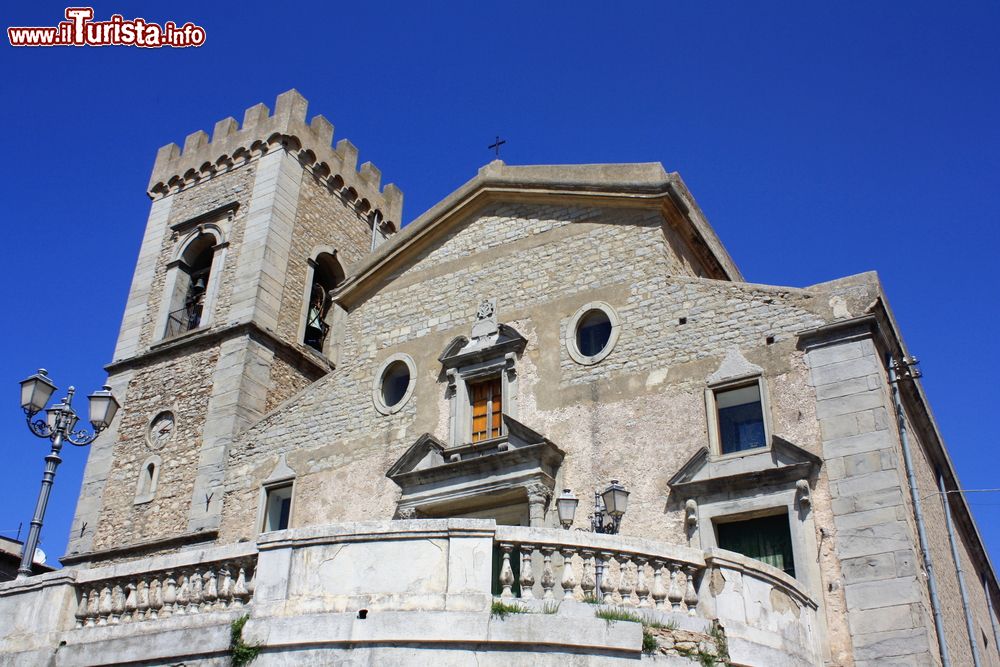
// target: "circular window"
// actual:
[[393, 384], [592, 333]]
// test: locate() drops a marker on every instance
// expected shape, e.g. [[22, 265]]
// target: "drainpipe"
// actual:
[[959, 570], [993, 617], [918, 515]]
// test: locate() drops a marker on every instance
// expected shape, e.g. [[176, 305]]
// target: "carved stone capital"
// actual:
[[406, 513], [538, 492]]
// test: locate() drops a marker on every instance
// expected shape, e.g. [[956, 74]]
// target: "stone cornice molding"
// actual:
[[214, 335]]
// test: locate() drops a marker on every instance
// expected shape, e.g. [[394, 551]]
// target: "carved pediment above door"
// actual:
[[517, 468]]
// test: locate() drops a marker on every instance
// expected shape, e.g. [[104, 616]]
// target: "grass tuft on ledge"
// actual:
[[502, 609]]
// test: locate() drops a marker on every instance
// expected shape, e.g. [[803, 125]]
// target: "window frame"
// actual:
[[495, 383], [570, 336], [267, 492], [377, 398], [747, 517], [146, 492], [712, 415]]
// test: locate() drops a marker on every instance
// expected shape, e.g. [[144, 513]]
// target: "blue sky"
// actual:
[[820, 141]]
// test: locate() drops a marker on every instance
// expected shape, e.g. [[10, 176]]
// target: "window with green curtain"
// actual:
[[766, 539]]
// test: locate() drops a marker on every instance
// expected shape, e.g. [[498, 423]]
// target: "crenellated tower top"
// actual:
[[233, 145]]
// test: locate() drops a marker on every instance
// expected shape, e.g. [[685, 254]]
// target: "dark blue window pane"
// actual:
[[593, 333], [741, 420]]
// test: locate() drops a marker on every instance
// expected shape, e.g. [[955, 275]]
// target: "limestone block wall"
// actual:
[[887, 603], [636, 416], [323, 219], [956, 632]]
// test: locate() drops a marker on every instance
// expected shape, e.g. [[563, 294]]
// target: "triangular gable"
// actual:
[[424, 453], [783, 461], [645, 184]]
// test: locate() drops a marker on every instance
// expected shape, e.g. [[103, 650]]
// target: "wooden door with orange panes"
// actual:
[[487, 408]]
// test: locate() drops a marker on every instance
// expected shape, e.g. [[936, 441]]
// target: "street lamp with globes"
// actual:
[[58, 426]]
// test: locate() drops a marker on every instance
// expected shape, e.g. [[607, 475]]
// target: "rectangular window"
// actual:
[[277, 508], [741, 418], [487, 409], [766, 539]]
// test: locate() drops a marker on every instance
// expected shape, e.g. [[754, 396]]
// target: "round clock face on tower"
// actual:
[[161, 429]]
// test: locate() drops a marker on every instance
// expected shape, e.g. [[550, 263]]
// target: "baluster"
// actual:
[[194, 606], [506, 572], [169, 596], [626, 582], [241, 594], [143, 606], [675, 596], [211, 592], [251, 579], [568, 576], [155, 598], [93, 600], [226, 588], [659, 592], [81, 610], [588, 582], [180, 606], [548, 576], [131, 603], [117, 604], [604, 558], [104, 607], [690, 594], [640, 582], [527, 572]]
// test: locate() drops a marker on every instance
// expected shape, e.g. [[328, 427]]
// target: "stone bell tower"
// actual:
[[228, 315]]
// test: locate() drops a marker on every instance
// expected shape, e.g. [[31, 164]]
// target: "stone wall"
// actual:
[[637, 416], [181, 386], [956, 632], [323, 219], [874, 541]]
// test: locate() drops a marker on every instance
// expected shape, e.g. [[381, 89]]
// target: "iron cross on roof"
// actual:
[[496, 145]]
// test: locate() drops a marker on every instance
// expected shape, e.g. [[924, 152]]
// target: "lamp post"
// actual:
[[57, 427], [609, 507]]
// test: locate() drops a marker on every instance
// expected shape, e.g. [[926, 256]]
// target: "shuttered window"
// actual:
[[766, 539], [486, 409]]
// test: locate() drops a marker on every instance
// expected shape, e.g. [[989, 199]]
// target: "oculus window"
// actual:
[[766, 539], [740, 419], [592, 333], [394, 382]]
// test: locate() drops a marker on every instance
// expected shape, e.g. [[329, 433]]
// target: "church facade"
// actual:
[[369, 441]]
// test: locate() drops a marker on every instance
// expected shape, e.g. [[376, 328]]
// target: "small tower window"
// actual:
[[327, 275], [149, 476]]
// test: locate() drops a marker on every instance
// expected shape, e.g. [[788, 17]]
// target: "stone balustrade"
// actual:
[[611, 569], [352, 588], [173, 586], [208, 587]]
